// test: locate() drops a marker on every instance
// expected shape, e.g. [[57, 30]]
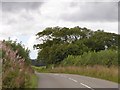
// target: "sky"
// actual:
[[22, 19]]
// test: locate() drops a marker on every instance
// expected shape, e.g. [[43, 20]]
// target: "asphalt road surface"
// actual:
[[52, 80]]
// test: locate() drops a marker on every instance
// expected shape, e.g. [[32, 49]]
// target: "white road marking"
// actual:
[[73, 79], [86, 86], [76, 81]]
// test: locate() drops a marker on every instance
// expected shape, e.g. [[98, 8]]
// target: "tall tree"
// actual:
[[60, 42]]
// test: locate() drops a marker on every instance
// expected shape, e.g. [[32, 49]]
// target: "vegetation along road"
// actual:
[[89, 54]]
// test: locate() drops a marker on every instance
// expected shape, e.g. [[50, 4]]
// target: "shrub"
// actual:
[[16, 70], [106, 58]]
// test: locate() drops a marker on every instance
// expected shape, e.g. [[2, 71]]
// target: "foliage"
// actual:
[[79, 51], [60, 42], [21, 50], [106, 58], [16, 71]]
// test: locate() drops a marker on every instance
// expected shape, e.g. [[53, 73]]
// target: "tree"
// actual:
[[60, 42]]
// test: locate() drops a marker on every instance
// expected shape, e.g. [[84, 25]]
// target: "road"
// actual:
[[51, 80]]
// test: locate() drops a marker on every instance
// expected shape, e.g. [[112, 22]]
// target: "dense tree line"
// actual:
[[60, 42]]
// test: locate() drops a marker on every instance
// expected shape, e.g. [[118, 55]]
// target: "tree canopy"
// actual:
[[59, 42]]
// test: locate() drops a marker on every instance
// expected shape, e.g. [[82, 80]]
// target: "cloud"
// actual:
[[23, 22], [28, 18], [17, 6], [60, 0], [91, 11], [81, 11]]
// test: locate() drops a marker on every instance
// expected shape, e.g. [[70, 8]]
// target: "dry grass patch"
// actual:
[[96, 71]]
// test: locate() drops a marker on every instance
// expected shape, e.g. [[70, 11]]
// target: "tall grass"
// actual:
[[97, 71], [16, 72]]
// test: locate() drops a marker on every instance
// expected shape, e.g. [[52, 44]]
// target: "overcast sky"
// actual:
[[22, 20]]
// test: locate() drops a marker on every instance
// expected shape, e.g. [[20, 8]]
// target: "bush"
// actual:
[[106, 57], [16, 70], [22, 51]]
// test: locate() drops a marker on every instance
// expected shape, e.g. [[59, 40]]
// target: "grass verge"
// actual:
[[31, 81], [96, 71]]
